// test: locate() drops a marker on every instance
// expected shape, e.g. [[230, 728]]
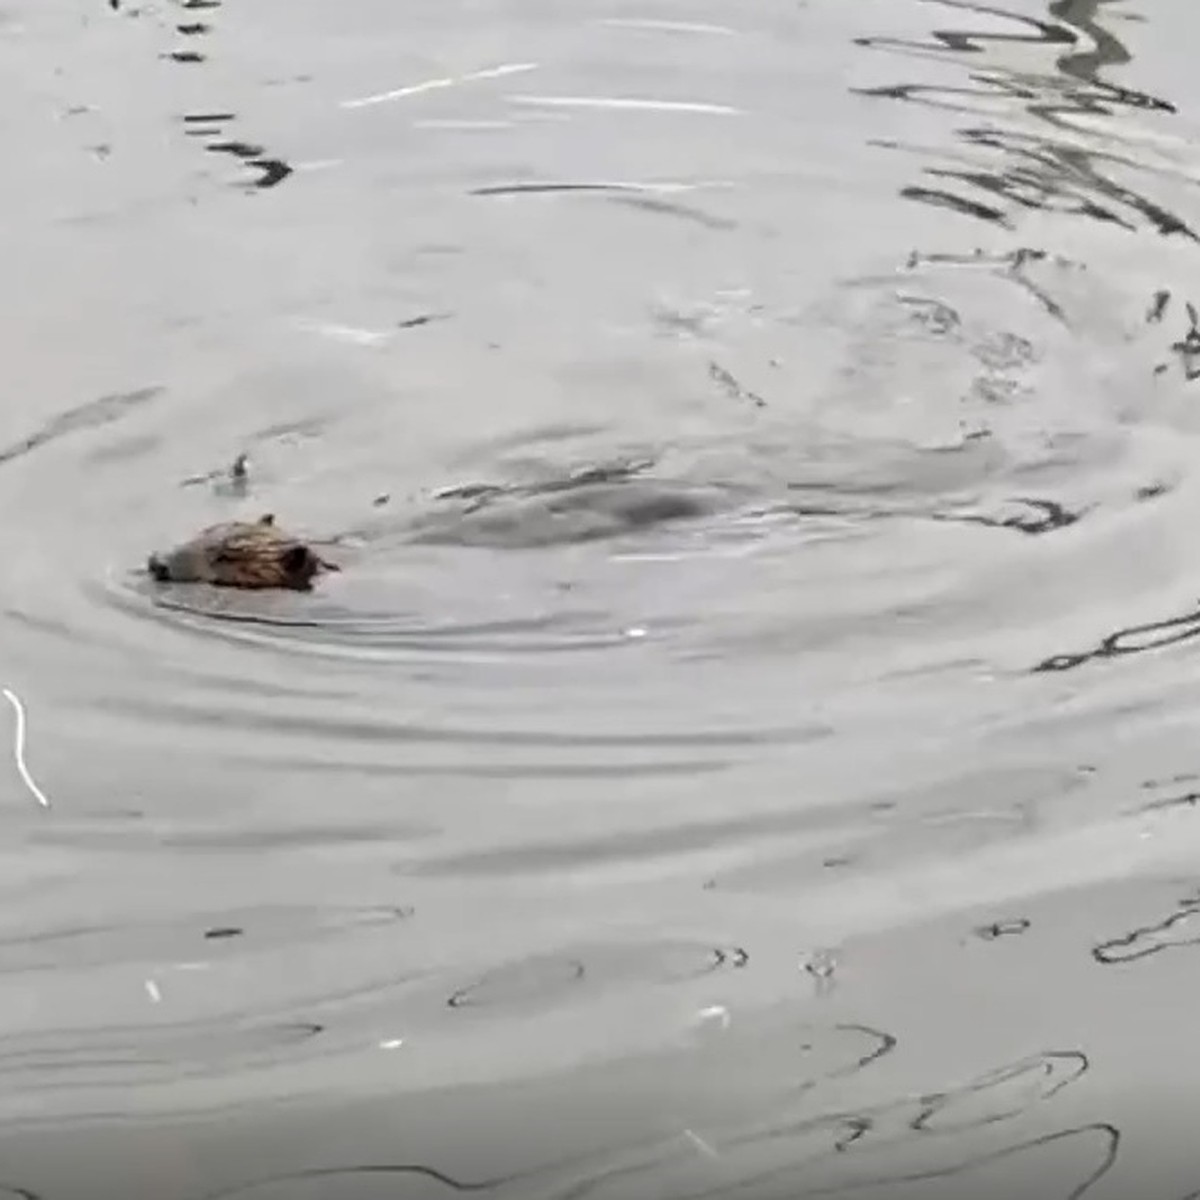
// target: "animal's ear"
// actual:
[[267, 519], [295, 560]]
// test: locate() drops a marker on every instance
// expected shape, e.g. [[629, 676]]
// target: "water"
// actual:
[[749, 748]]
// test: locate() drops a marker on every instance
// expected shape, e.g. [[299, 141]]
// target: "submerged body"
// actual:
[[600, 501], [585, 513], [241, 554]]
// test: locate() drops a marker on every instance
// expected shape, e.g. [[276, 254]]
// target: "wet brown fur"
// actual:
[[242, 554]]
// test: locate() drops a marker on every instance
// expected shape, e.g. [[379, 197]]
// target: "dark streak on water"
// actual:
[[1136, 639], [89, 415], [271, 169]]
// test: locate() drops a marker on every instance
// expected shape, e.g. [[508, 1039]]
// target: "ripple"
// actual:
[[362, 1180], [1004, 1093], [823, 1158], [1067, 1164], [74, 1062], [257, 930], [1181, 929], [537, 980], [617, 582], [777, 1150], [261, 1001]]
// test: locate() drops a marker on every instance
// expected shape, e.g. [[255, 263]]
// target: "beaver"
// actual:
[[242, 554]]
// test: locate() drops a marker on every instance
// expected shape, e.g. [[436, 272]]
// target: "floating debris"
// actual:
[[1158, 306], [821, 964], [1188, 347], [233, 479], [423, 319], [999, 929], [731, 387]]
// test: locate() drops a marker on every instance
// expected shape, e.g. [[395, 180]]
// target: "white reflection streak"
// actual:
[[715, 1012], [466, 126], [19, 748], [317, 164], [700, 1143], [689, 106], [348, 333], [430, 85], [666, 26]]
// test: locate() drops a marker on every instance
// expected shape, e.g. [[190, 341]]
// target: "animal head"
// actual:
[[243, 555]]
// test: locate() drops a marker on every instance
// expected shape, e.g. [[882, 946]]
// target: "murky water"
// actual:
[[749, 749]]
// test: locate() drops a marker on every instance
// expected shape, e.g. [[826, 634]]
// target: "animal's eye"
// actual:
[[295, 558]]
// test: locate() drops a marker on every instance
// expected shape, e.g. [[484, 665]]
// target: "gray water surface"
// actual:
[[750, 747]]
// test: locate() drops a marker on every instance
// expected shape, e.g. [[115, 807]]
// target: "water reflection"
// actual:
[[1108, 50], [1058, 162], [270, 169]]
